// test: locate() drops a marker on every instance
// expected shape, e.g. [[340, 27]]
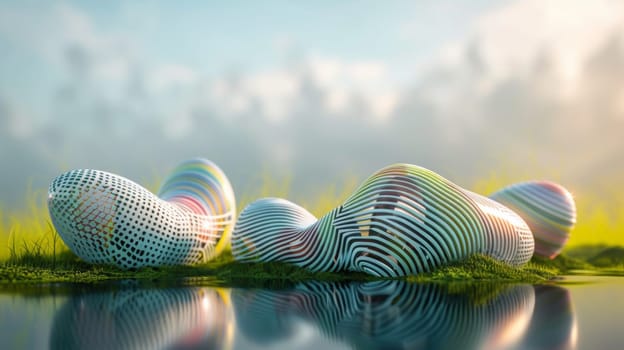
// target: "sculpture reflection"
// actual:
[[374, 315], [390, 314], [145, 318], [553, 325]]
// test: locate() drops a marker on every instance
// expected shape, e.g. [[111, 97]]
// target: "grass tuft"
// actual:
[[273, 274], [564, 263], [482, 268], [609, 257]]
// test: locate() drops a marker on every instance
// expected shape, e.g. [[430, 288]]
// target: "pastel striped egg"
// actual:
[[403, 220], [548, 209], [107, 219]]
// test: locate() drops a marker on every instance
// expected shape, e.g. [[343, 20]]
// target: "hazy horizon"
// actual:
[[316, 92]]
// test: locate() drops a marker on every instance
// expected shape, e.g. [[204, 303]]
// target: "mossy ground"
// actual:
[[224, 270], [482, 268], [609, 257]]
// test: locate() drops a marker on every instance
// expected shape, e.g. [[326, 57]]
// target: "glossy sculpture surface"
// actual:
[[108, 219], [403, 220], [547, 208]]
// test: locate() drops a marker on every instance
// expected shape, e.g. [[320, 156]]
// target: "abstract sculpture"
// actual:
[[403, 220], [108, 219], [547, 208]]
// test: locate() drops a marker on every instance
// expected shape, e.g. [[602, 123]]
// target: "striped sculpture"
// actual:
[[107, 219], [547, 208], [403, 220]]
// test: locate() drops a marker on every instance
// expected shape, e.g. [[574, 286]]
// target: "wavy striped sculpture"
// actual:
[[107, 219], [403, 220], [547, 208]]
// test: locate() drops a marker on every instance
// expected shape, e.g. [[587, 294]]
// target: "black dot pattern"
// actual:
[[107, 219]]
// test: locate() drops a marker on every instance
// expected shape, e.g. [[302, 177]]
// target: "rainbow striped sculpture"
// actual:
[[403, 220], [547, 208], [108, 219]]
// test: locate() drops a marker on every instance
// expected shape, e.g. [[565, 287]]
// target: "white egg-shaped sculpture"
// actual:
[[107, 219]]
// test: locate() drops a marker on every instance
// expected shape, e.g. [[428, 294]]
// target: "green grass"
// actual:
[[68, 268], [482, 268], [33, 266], [609, 257], [31, 250], [229, 272], [564, 263], [585, 251]]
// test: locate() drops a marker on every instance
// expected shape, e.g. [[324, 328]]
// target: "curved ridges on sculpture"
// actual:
[[203, 188], [547, 208], [403, 220], [507, 236], [386, 315], [108, 219]]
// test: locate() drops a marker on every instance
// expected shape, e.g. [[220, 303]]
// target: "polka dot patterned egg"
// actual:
[[107, 219], [547, 208]]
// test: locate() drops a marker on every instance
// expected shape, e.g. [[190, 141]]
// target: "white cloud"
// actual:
[[278, 92], [346, 81], [337, 100], [50, 29], [169, 75], [17, 121], [512, 38], [366, 71], [495, 94], [383, 105], [275, 92]]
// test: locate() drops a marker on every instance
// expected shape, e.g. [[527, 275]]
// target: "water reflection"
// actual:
[[375, 315], [145, 319], [390, 314], [553, 325]]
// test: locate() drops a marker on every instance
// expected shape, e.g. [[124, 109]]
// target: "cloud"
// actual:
[[169, 76], [511, 38], [527, 85]]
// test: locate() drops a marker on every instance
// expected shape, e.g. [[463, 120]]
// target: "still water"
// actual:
[[584, 313]]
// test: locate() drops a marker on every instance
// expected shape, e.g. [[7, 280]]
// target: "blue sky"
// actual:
[[214, 36], [318, 91]]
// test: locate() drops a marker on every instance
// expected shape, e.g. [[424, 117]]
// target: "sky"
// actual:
[[315, 92]]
